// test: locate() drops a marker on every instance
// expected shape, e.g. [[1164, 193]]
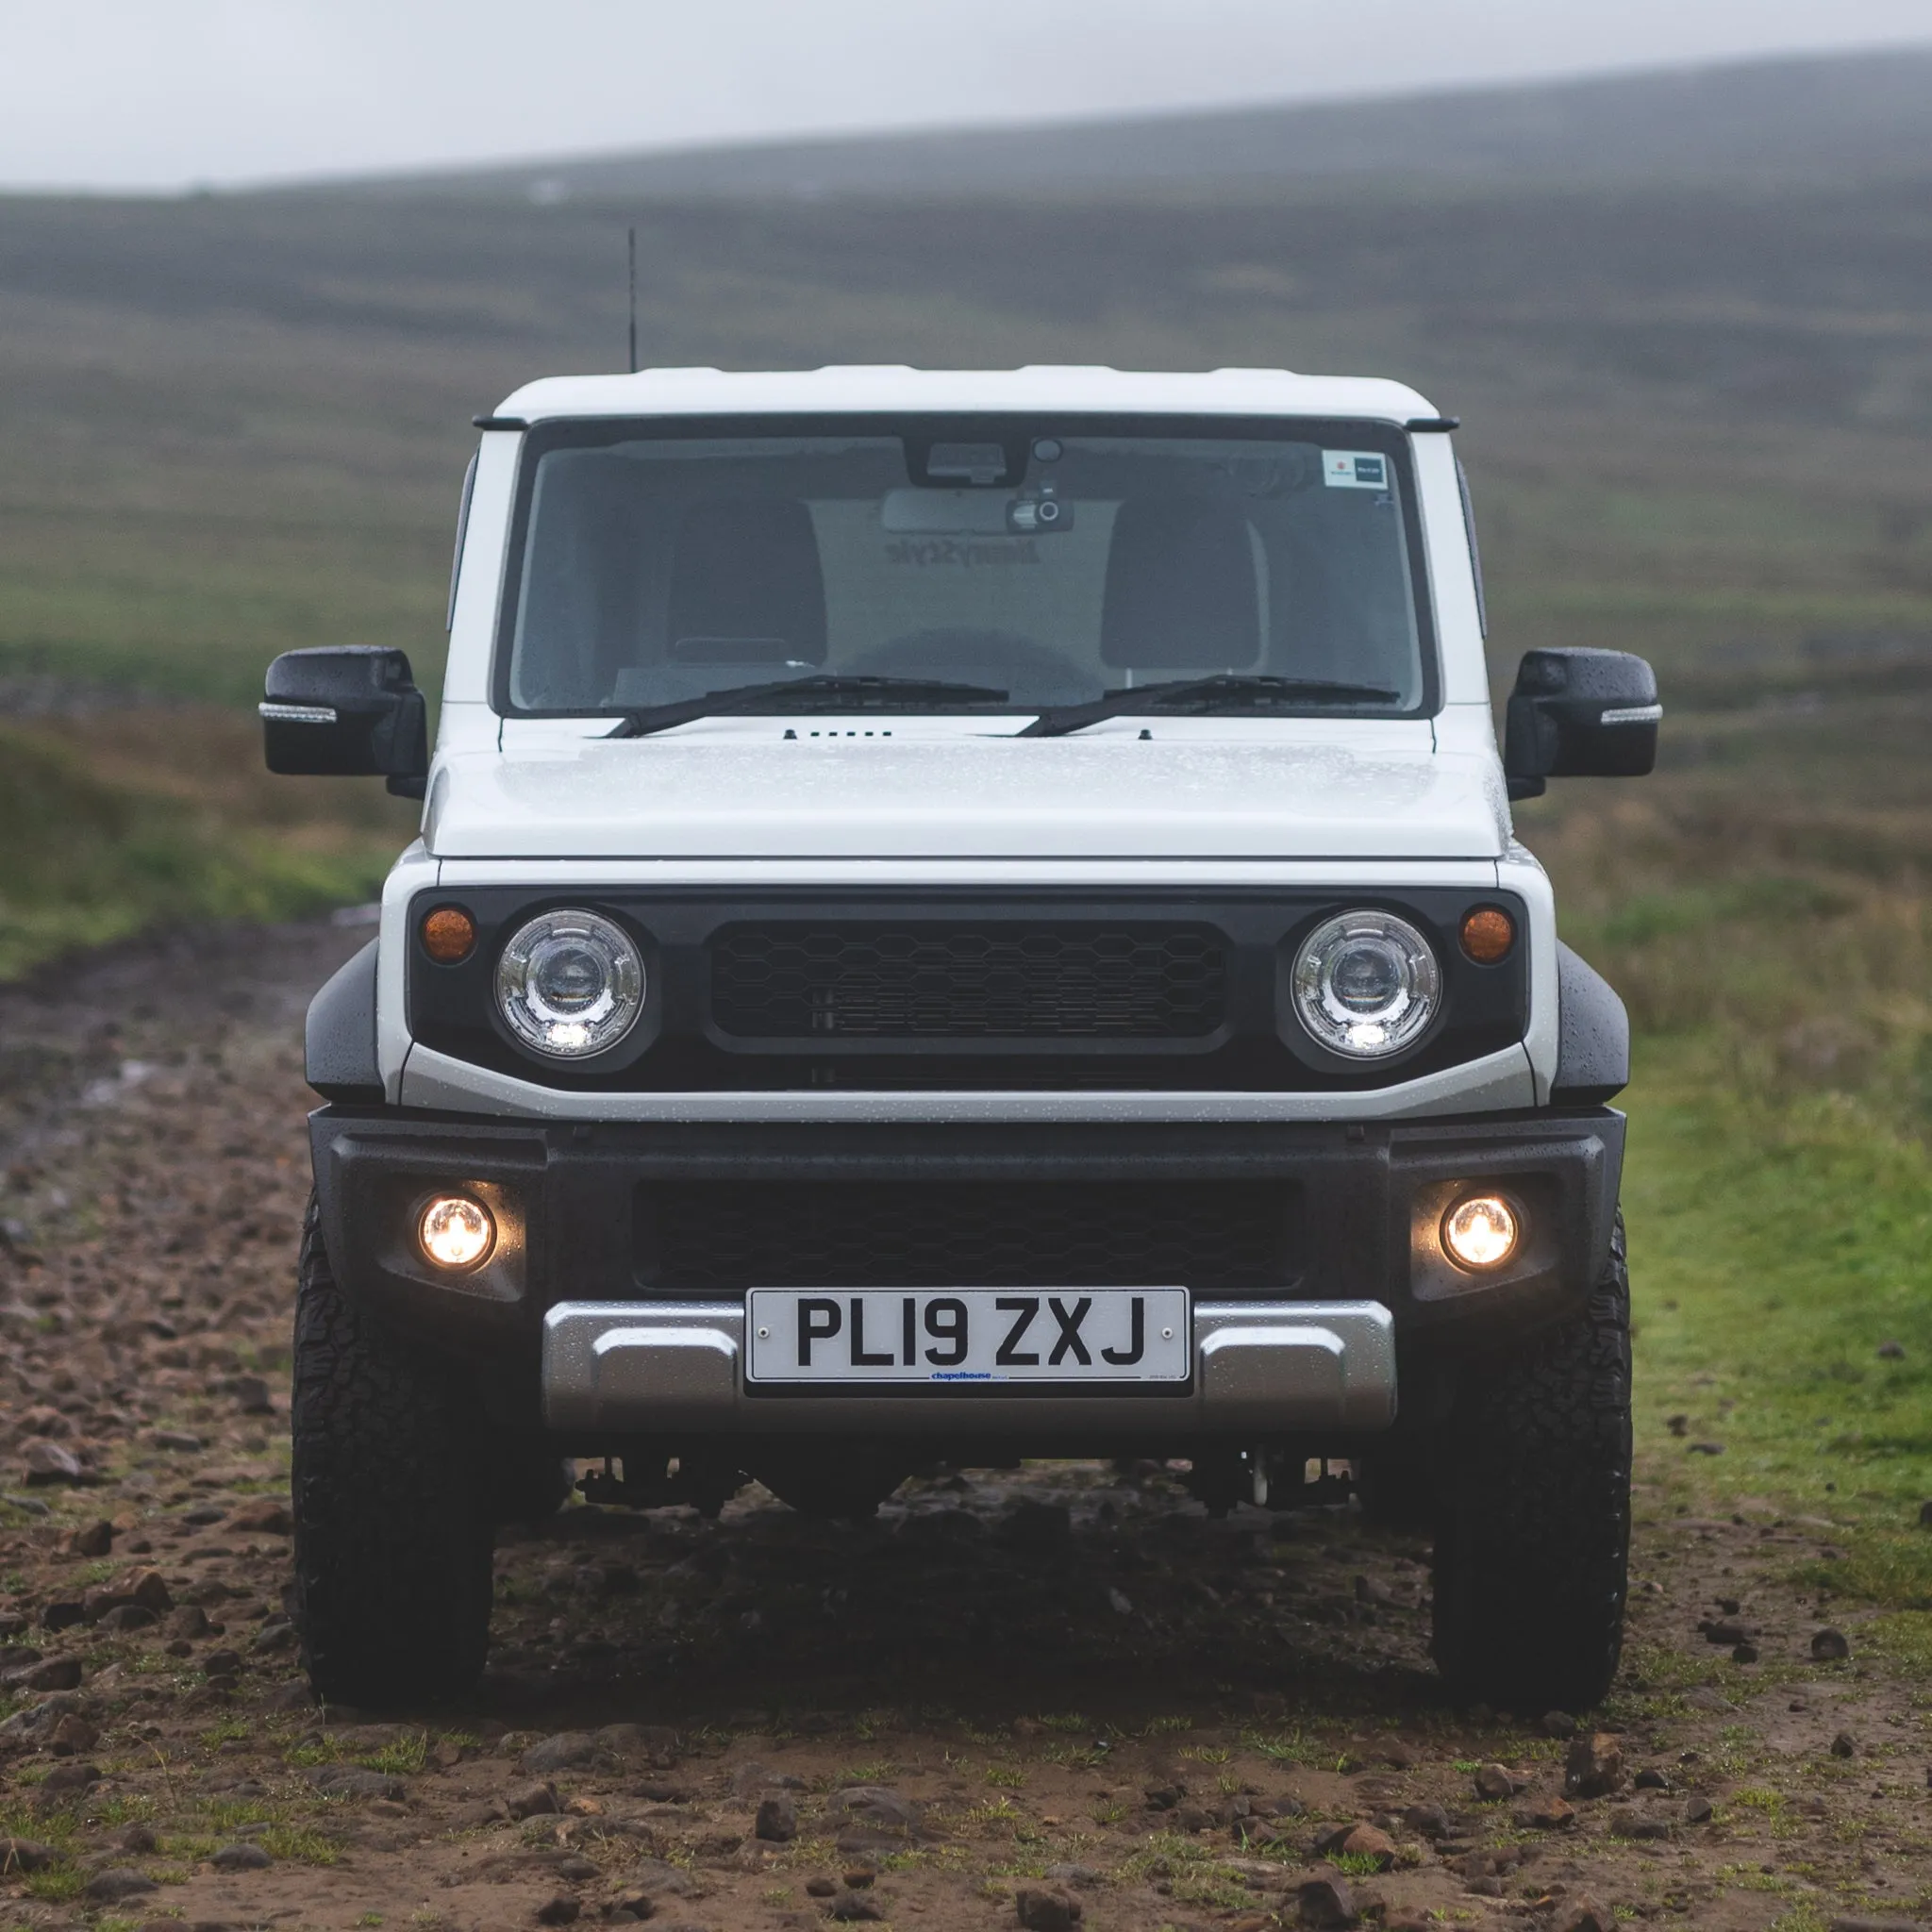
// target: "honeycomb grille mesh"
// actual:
[[814, 982], [727, 1237]]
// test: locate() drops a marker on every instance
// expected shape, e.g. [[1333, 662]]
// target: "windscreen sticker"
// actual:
[[930, 553], [1355, 469]]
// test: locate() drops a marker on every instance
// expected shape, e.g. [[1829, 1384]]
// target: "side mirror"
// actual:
[[350, 712], [1579, 714]]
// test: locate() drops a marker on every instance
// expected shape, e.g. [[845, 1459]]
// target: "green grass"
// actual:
[[403, 1756], [1775, 1250], [298, 1845], [130, 820], [57, 1884]]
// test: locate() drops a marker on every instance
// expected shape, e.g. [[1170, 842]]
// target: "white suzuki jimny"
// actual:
[[962, 917]]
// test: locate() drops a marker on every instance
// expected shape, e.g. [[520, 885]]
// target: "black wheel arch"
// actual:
[[339, 1039]]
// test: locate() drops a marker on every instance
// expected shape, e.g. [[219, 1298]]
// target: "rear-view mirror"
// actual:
[[348, 711], [1579, 713]]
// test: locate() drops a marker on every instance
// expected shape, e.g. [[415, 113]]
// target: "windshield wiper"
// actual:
[[826, 694], [1225, 692]]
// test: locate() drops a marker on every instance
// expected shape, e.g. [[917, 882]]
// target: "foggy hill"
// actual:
[[1839, 116]]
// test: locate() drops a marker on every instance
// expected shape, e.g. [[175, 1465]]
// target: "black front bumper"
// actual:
[[625, 1212]]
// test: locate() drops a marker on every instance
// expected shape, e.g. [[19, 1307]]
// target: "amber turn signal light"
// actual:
[[1488, 933], [449, 935]]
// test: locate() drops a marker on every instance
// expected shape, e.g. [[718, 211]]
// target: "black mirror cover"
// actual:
[[351, 710], [1579, 713]]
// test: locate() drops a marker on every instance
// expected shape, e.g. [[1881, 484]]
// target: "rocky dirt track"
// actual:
[[1061, 1695]]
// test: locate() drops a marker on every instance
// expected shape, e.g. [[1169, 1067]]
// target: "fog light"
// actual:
[[1481, 1231], [456, 1232]]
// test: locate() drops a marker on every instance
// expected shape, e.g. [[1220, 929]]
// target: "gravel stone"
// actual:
[[1427, 1821], [874, 1804], [118, 1882], [778, 1821], [252, 1397], [265, 1516], [1593, 1767], [1366, 1841], [1325, 1905], [240, 1857], [1628, 1823], [1042, 1911], [48, 1463], [1586, 1915], [565, 1750], [54, 1673], [353, 1781], [1549, 1814], [531, 1801], [72, 1734]]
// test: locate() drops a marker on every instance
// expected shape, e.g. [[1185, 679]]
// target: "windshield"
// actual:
[[1052, 560]]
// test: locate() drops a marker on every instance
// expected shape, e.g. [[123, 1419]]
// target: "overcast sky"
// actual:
[[166, 93]]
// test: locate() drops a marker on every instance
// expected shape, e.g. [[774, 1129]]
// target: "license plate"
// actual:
[[962, 1335]]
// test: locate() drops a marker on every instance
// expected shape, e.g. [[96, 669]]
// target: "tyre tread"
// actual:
[[1532, 1544], [392, 1533]]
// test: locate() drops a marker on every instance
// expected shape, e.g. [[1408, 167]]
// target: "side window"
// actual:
[[455, 562], [1475, 556]]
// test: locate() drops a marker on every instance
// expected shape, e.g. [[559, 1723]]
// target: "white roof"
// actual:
[[897, 388]]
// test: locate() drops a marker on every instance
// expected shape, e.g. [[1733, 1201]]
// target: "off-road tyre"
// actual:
[[1533, 1534], [392, 1530]]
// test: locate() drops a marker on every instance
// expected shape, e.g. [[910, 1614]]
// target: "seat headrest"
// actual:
[[745, 584], [1180, 587]]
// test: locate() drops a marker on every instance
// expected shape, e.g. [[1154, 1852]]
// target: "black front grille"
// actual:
[[803, 982], [728, 1235]]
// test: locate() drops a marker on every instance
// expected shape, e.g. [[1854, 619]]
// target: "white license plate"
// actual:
[[952, 1335]]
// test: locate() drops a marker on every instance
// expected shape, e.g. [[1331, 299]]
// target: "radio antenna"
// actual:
[[633, 301]]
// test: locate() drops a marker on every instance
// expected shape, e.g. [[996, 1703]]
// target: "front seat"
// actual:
[[1180, 592], [745, 584]]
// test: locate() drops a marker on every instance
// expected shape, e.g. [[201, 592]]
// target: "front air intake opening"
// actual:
[[1233, 1237]]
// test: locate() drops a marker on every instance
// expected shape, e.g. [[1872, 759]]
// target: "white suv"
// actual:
[[958, 917]]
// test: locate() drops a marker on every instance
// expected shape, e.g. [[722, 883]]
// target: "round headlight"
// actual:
[[1366, 984], [569, 984]]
